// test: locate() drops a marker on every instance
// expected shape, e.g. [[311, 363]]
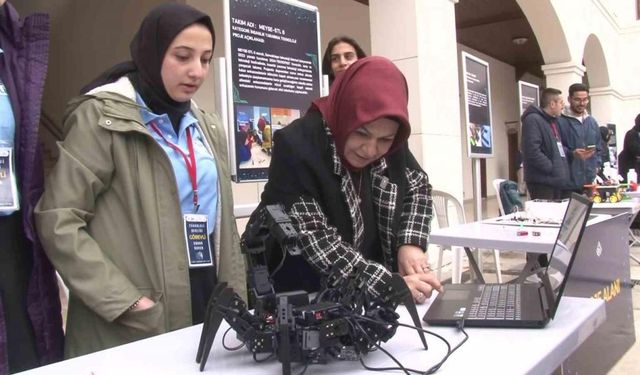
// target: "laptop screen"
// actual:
[[569, 235]]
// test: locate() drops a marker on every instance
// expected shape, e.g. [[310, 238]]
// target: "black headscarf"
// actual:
[[148, 48]]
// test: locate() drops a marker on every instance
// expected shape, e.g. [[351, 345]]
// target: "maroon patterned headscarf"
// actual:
[[372, 88]]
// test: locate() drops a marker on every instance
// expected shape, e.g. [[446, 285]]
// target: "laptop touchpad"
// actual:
[[455, 295]]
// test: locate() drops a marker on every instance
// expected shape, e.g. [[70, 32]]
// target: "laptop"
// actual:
[[526, 305]]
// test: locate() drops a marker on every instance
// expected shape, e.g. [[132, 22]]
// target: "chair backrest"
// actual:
[[496, 186], [441, 203]]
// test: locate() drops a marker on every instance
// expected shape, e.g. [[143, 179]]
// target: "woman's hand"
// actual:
[[422, 285], [143, 304], [411, 260], [413, 265]]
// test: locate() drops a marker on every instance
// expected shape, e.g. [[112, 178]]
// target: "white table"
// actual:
[[632, 194], [482, 234], [626, 206], [494, 351], [602, 266], [488, 234]]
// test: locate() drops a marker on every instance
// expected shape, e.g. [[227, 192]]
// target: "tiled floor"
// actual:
[[512, 262]]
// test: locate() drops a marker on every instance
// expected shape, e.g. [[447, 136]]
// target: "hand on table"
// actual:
[[413, 266], [422, 285]]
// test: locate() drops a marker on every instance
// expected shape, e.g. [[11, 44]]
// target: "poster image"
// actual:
[[273, 75], [251, 136], [254, 130], [529, 95], [477, 97]]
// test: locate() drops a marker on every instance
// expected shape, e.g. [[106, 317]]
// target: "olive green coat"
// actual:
[[111, 222]]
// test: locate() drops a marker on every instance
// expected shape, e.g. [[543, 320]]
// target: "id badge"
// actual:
[[560, 149], [196, 230], [8, 186]]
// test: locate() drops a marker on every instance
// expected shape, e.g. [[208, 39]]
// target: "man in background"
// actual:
[[546, 171], [580, 138]]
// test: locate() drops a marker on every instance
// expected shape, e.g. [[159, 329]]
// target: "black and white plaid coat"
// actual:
[[307, 176]]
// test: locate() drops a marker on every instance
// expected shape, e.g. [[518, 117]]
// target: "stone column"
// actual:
[[608, 107], [562, 75], [419, 36]]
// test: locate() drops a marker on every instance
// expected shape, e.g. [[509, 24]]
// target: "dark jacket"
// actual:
[[542, 161], [580, 135], [308, 178], [630, 155], [26, 46]]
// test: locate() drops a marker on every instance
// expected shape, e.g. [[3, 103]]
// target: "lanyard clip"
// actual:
[[196, 206]]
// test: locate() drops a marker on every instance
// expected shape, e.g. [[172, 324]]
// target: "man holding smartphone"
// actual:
[[580, 138]]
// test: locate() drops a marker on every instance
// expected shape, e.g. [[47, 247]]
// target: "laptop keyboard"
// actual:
[[497, 302]]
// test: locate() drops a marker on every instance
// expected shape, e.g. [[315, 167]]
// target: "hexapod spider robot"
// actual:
[[341, 322]]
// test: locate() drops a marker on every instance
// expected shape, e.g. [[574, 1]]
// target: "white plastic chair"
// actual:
[[442, 203], [496, 186]]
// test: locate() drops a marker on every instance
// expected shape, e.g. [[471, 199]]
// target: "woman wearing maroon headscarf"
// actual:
[[358, 199]]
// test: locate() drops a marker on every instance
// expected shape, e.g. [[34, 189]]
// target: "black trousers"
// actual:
[[541, 191], [15, 269], [546, 192]]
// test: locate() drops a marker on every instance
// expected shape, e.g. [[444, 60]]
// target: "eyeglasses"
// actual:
[[580, 100]]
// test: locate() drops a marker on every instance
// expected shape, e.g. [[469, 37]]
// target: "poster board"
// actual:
[[272, 75], [529, 94], [477, 98]]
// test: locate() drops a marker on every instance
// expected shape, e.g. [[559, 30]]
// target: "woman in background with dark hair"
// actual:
[[341, 52], [137, 214]]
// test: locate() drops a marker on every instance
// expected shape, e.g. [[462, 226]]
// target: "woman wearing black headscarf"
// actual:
[[137, 214]]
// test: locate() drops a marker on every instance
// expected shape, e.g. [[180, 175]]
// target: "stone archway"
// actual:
[[562, 68], [604, 100], [595, 62], [546, 26]]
